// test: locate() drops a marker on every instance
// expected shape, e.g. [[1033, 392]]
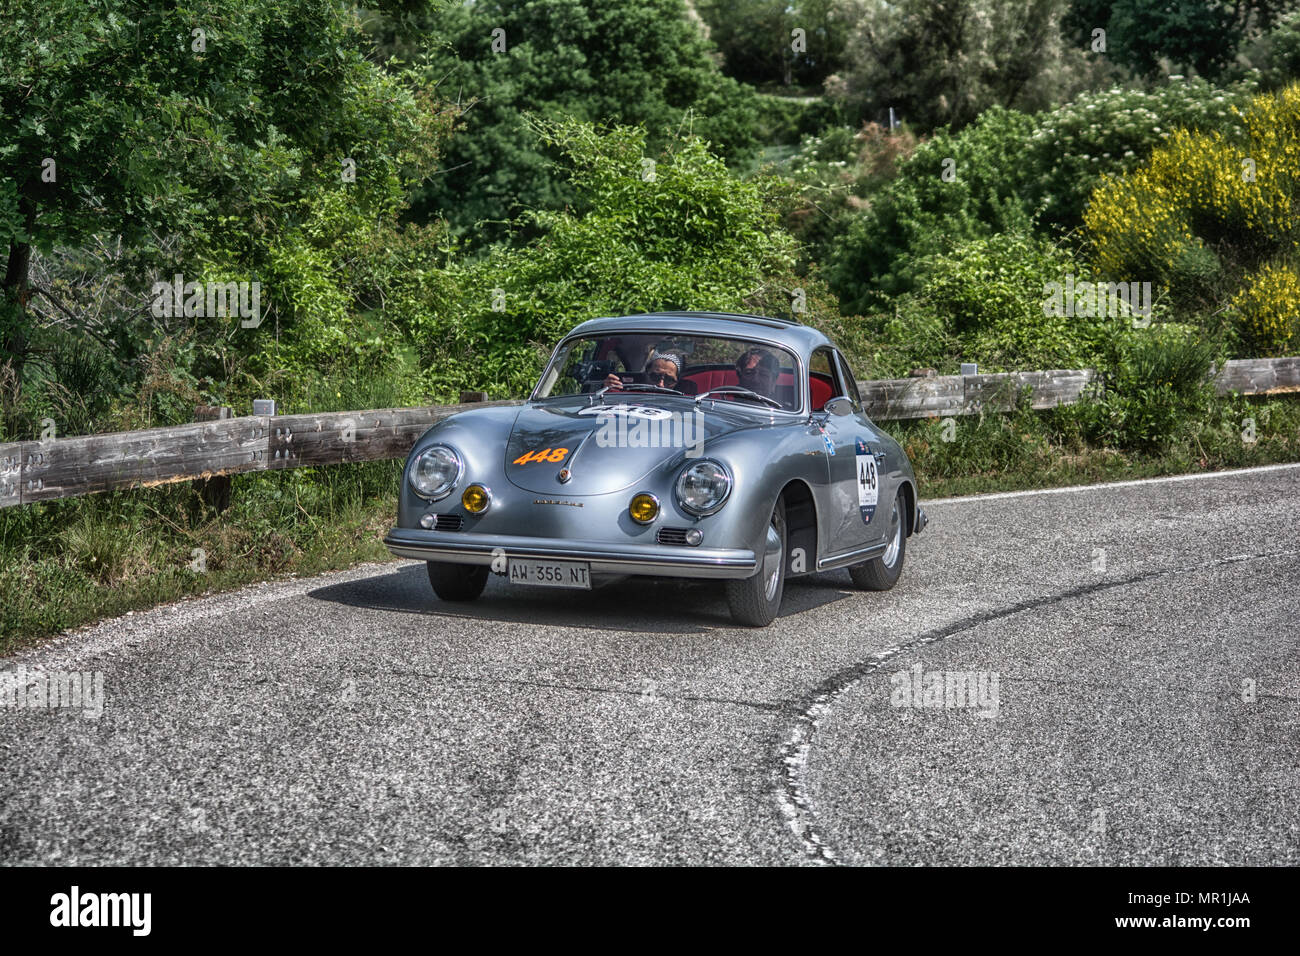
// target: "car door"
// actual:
[[875, 484], [849, 523]]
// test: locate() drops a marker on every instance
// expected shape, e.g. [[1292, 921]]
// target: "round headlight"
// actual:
[[644, 508], [435, 472], [703, 487]]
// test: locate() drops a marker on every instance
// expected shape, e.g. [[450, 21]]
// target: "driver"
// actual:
[[661, 368], [757, 371]]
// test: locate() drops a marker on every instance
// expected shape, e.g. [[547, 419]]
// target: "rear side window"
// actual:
[[850, 383], [824, 378]]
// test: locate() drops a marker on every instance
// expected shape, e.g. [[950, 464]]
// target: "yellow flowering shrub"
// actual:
[[1206, 209], [1268, 308]]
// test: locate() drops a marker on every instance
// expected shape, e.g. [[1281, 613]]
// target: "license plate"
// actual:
[[551, 574]]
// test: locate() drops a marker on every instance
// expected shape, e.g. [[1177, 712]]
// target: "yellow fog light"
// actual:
[[644, 508], [476, 499]]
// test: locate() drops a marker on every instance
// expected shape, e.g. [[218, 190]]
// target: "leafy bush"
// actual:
[[920, 212], [986, 300], [346, 288], [832, 147], [835, 172], [1156, 390], [1150, 38], [745, 30], [1112, 132], [785, 120], [1277, 53], [222, 163]]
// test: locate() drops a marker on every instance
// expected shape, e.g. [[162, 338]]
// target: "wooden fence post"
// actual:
[[214, 491]]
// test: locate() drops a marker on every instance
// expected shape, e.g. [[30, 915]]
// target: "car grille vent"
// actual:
[[672, 536], [448, 522]]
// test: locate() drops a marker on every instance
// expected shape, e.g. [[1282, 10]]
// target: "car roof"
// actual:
[[787, 332]]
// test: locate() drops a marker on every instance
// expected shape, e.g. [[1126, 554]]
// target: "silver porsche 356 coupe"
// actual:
[[672, 444]]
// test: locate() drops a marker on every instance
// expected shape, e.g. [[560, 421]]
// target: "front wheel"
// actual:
[[755, 600], [457, 582], [882, 573]]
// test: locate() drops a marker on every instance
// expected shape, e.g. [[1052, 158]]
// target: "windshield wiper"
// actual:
[[738, 390]]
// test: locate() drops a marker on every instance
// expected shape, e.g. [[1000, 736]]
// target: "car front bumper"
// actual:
[[603, 557]]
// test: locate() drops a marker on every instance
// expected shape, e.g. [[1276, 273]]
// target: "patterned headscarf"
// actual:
[[675, 359]]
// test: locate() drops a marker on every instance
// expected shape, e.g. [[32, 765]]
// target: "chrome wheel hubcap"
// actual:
[[895, 537], [771, 562]]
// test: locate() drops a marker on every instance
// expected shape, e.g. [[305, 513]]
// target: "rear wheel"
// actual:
[[882, 573], [457, 582], [755, 600]]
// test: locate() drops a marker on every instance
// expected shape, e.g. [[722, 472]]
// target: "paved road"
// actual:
[[1143, 636]]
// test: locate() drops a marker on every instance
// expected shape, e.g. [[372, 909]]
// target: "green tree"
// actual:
[[685, 233], [758, 45], [615, 61], [1276, 54], [200, 134], [1151, 36], [943, 62]]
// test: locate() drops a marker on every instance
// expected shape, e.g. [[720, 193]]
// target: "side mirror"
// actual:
[[839, 406]]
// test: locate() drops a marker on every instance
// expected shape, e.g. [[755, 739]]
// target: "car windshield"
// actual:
[[649, 363]]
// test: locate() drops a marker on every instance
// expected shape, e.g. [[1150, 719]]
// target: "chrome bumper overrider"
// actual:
[[604, 558]]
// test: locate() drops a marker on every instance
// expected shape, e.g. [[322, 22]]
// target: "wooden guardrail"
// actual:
[[942, 395], [1259, 376], [33, 471]]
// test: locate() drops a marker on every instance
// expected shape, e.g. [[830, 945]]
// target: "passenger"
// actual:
[[757, 371]]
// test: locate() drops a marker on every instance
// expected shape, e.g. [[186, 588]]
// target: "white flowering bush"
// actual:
[[1113, 131], [835, 146]]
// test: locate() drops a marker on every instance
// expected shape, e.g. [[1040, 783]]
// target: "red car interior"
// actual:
[[819, 385]]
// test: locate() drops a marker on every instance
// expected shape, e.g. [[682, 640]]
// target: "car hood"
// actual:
[[610, 446]]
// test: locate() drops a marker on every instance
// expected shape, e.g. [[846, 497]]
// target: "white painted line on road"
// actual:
[[1260, 469]]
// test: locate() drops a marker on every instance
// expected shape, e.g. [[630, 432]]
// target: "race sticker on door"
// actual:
[[868, 481]]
